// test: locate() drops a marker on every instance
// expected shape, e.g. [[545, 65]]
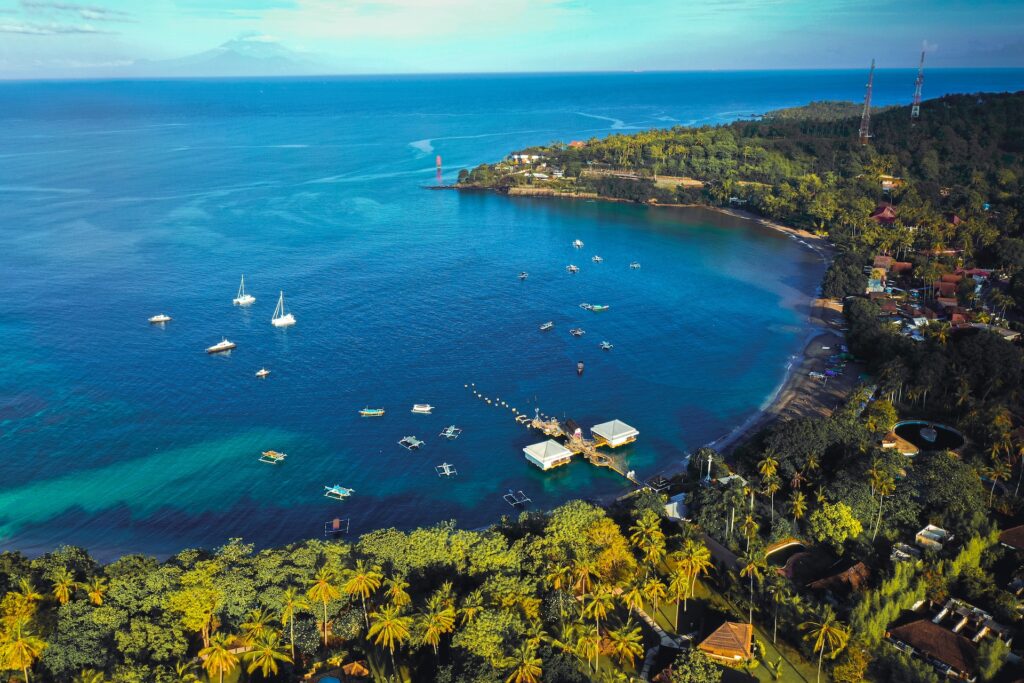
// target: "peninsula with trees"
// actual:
[[883, 541]]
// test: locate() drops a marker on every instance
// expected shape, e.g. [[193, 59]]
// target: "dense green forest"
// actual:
[[563, 595]]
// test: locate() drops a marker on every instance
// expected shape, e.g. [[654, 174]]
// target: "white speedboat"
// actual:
[[161, 318], [635, 265], [586, 307], [243, 299], [578, 244], [422, 408], [572, 269], [523, 275], [577, 332], [547, 326], [221, 346], [280, 318], [262, 372], [597, 259]]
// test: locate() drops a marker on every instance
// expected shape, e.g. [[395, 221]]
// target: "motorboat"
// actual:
[[586, 307], [272, 457], [635, 265], [280, 318], [221, 346], [572, 269], [243, 299], [579, 368], [577, 332], [523, 275], [597, 259], [547, 326], [262, 372], [422, 408], [371, 412], [159, 319], [578, 244], [597, 308], [607, 346]]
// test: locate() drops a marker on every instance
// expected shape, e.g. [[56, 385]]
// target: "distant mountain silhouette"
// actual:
[[246, 56]]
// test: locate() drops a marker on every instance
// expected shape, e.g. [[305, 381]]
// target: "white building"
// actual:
[[548, 454], [615, 433]]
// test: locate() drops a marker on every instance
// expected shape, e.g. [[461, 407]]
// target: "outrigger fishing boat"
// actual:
[[577, 332], [371, 412], [578, 244], [451, 432], [272, 457], [635, 265], [523, 275], [607, 346], [547, 326], [262, 372], [243, 299], [572, 269], [597, 259], [337, 492], [160, 318], [410, 443], [597, 308], [221, 346], [422, 408], [446, 469], [586, 307]]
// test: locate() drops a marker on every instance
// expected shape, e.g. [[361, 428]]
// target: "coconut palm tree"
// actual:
[[825, 633], [583, 573], [535, 633], [999, 471], [632, 596], [96, 588], [526, 666], [699, 558], [266, 652], [768, 466], [257, 625], [655, 591], [291, 602], [323, 589], [218, 659], [396, 592], [559, 576], [184, 673], [437, 619], [779, 594], [598, 603], [771, 487], [472, 605], [26, 597], [885, 487], [626, 643], [89, 676], [63, 585], [22, 647], [363, 580], [390, 629], [750, 529], [588, 644], [798, 506], [751, 565], [679, 587]]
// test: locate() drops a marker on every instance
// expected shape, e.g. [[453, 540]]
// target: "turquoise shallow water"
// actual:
[[122, 200]]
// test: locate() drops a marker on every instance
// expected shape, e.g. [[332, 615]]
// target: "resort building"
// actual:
[[901, 552], [614, 434], [730, 643], [548, 454], [932, 537], [1013, 537]]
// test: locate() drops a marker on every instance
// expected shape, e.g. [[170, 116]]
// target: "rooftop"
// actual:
[[731, 641], [932, 640]]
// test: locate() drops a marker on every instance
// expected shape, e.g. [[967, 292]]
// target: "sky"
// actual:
[[43, 38]]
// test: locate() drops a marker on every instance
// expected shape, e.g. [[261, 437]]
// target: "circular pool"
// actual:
[[929, 436]]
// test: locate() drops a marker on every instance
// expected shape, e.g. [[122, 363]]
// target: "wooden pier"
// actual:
[[588, 448]]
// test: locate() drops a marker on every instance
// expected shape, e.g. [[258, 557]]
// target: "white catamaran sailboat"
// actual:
[[282, 319], [243, 299]]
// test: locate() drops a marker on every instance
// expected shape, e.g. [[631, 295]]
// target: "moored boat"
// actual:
[[160, 318], [572, 269], [547, 326], [221, 346], [586, 307], [578, 244], [523, 275], [422, 408], [262, 372], [371, 412], [607, 346], [597, 259], [597, 308], [635, 265], [280, 318], [243, 299], [577, 332]]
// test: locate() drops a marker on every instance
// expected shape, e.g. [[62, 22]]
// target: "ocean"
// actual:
[[121, 200]]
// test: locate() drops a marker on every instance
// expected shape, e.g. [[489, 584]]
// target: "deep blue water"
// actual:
[[120, 200]]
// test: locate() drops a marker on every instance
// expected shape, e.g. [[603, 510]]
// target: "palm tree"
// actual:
[[22, 648], [599, 603], [527, 666], [588, 644], [646, 535], [999, 471], [632, 596], [768, 466], [699, 560], [323, 590], [26, 597], [363, 580], [679, 587], [885, 487], [771, 487], [256, 626], [266, 653], [390, 628], [436, 620], [583, 574], [797, 481], [825, 633], [89, 676], [218, 659], [396, 592], [472, 605], [183, 673], [63, 585], [558, 576], [626, 643], [750, 529], [779, 595], [655, 591], [95, 589], [291, 602], [751, 565], [798, 506]]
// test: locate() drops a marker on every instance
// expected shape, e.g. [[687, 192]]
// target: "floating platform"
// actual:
[[410, 443], [446, 469], [516, 498], [336, 526], [272, 457]]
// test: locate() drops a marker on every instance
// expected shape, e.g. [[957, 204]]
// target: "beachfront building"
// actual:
[[614, 434], [548, 454], [731, 643]]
